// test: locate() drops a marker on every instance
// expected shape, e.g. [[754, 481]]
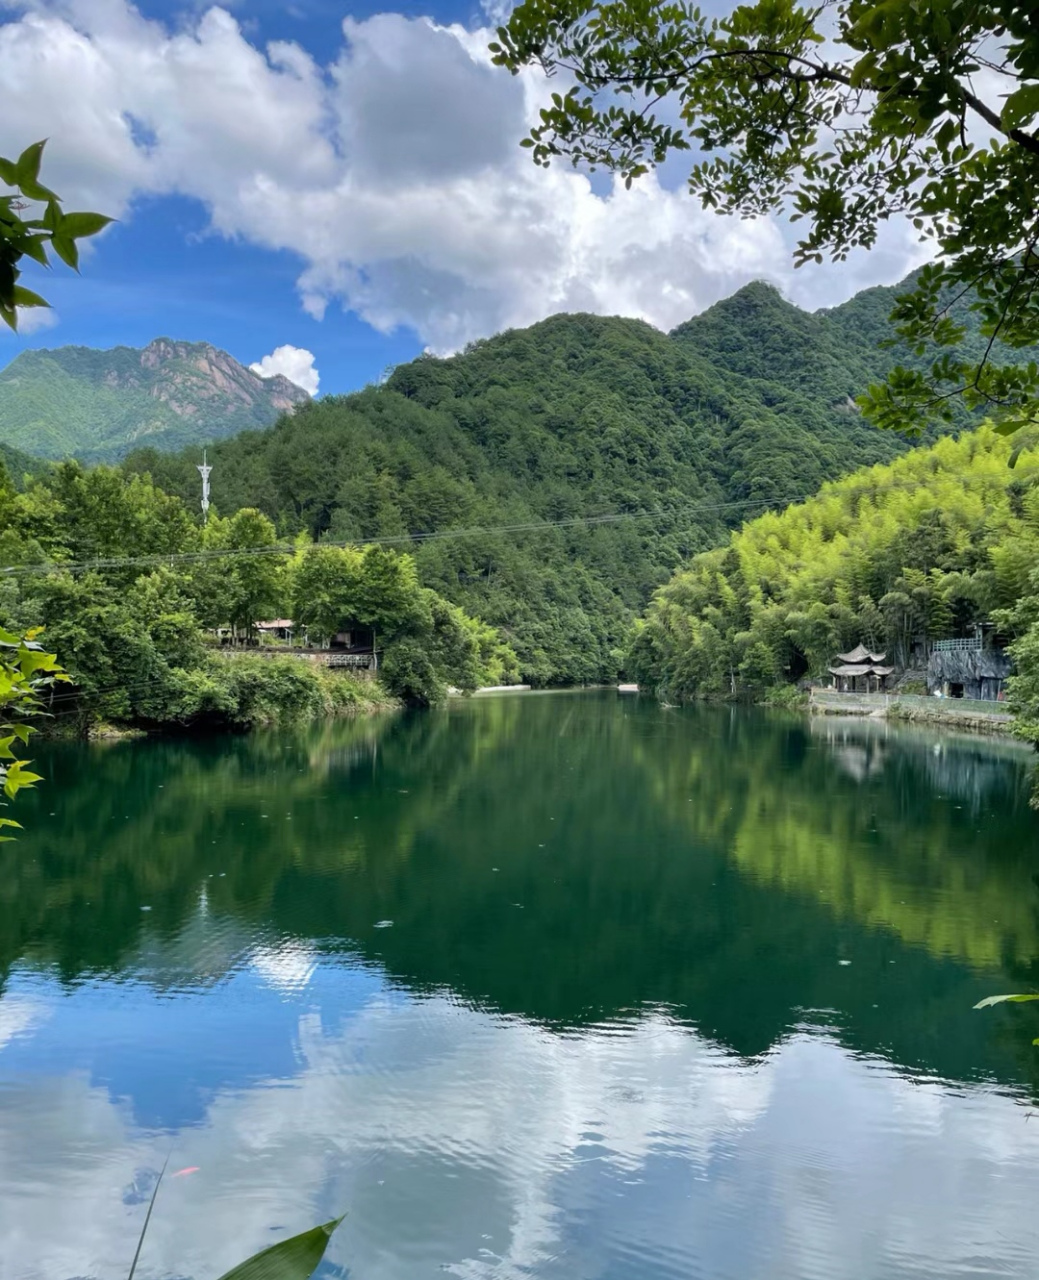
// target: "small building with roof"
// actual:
[[860, 671], [968, 667], [277, 629]]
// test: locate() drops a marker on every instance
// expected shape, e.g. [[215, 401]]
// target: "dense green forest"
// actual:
[[126, 583], [928, 545], [19, 465], [573, 419], [546, 481]]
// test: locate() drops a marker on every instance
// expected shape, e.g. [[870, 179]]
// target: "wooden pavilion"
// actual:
[[860, 665]]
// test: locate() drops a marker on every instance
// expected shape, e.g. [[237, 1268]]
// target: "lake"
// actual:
[[558, 986]]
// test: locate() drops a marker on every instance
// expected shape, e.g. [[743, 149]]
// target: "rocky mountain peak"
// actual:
[[166, 394]]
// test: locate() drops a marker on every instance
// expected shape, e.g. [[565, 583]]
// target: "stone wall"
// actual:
[[981, 672]]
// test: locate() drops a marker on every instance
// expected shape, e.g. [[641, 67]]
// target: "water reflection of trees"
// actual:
[[937, 845], [567, 859]]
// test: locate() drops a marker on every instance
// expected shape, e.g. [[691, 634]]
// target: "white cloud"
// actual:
[[32, 320], [294, 363], [392, 170]]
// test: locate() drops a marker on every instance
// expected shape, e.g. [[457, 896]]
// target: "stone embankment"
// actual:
[[958, 713]]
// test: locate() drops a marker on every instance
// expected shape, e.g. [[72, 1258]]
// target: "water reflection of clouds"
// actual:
[[287, 968], [19, 1016], [493, 1148]]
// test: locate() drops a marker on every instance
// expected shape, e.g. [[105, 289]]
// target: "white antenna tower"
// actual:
[[204, 471]]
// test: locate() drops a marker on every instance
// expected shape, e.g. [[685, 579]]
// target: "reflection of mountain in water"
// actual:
[[568, 859]]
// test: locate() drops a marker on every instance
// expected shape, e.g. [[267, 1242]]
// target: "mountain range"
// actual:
[[97, 405], [554, 476], [547, 479]]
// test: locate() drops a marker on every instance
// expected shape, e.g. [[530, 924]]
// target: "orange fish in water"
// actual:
[[181, 1173]]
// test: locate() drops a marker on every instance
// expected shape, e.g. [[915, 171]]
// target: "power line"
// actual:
[[158, 559], [290, 548]]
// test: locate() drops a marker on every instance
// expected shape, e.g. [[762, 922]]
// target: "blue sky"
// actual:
[[159, 274], [344, 181]]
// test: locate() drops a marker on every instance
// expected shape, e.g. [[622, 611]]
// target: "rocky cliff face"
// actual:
[[97, 405], [187, 375]]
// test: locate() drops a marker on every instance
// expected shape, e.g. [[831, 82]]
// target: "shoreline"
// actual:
[[912, 709], [368, 704]]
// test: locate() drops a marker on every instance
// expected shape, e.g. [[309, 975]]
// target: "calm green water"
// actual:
[[562, 986]]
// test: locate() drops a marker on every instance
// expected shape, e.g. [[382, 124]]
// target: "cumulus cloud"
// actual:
[[294, 363], [33, 320], [392, 170]]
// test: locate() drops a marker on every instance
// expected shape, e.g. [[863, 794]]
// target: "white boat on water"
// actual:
[[627, 688]]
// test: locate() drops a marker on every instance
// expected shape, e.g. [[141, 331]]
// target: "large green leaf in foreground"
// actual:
[[991, 1000], [1016, 999], [293, 1259]]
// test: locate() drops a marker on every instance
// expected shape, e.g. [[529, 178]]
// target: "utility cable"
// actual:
[[158, 559]]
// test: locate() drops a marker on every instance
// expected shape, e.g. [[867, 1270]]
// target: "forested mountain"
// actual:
[[576, 418], [820, 355], [96, 405], [930, 545], [18, 465]]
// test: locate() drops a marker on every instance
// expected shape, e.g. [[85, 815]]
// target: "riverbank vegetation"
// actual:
[[129, 590], [929, 546]]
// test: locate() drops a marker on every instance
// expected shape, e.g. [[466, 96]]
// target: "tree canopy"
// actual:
[[25, 668], [494, 460], [841, 116], [125, 584], [928, 546]]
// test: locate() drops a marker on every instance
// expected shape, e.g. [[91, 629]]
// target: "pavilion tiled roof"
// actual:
[[861, 654]]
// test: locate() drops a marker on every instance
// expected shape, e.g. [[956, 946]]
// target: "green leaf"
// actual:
[[990, 1000], [27, 166], [1008, 426], [32, 659], [36, 248], [26, 298], [36, 191], [1020, 107], [9, 317], [65, 248], [27, 174], [294, 1259], [8, 172], [78, 225]]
